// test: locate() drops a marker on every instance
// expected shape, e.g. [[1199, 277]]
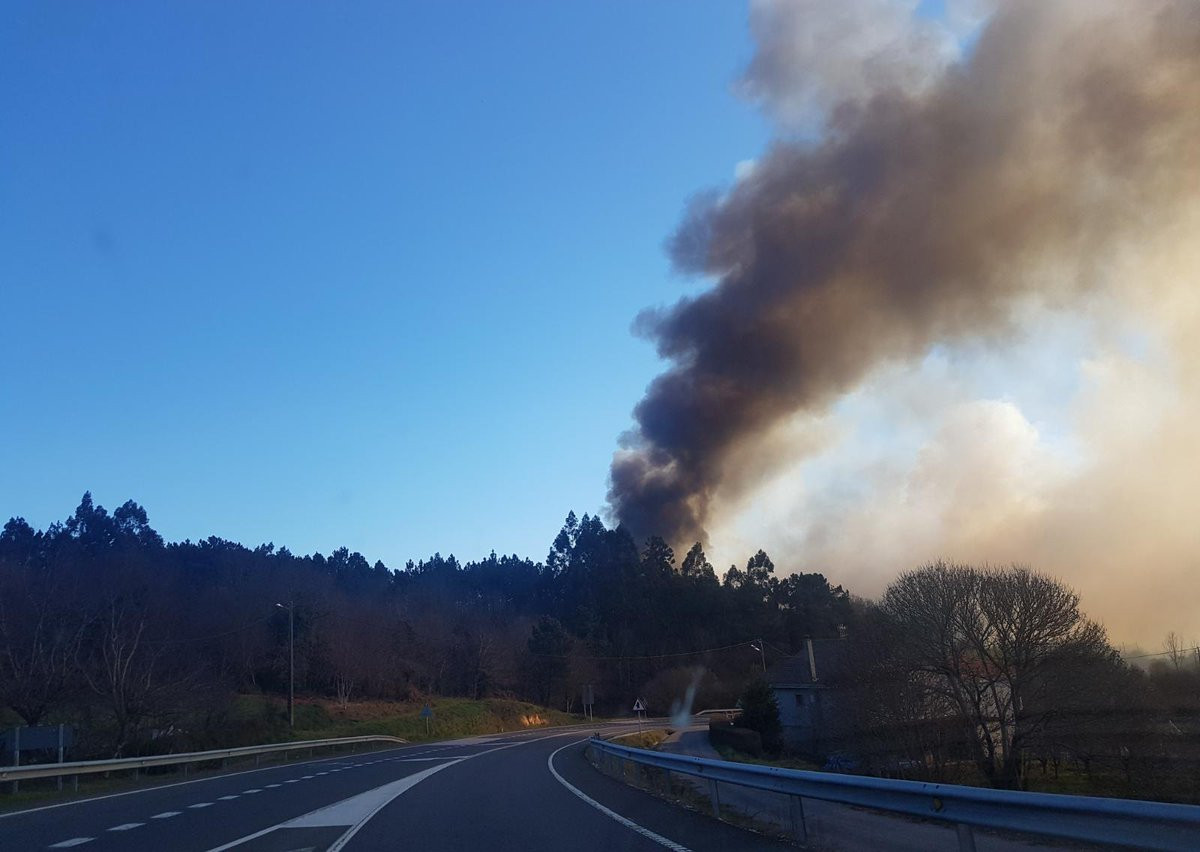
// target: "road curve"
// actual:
[[527, 791]]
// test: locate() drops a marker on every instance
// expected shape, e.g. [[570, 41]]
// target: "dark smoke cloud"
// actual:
[[920, 216]]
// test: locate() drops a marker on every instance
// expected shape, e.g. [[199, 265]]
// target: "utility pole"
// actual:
[[759, 646], [291, 610]]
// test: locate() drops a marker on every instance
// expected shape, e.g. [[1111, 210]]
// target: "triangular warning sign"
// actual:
[[639, 707]]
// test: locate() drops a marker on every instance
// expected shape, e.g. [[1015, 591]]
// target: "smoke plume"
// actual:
[[916, 198]]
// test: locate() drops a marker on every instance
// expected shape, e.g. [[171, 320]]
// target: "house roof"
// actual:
[[832, 659]]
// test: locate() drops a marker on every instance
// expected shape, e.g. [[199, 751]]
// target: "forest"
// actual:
[[956, 673], [105, 625]]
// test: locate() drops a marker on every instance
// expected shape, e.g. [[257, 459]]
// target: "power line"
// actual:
[[241, 629], [1161, 653], [648, 656]]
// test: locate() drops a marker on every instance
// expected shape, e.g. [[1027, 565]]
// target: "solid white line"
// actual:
[[625, 821], [125, 826], [363, 799], [74, 841], [341, 842], [343, 812]]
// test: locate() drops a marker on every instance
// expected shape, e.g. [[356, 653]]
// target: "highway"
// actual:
[[527, 791]]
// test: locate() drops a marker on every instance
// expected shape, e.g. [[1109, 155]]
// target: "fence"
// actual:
[[92, 767], [1145, 825]]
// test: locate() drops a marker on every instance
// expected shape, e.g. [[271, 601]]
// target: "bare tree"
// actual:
[[1176, 653], [41, 628], [137, 679], [988, 642]]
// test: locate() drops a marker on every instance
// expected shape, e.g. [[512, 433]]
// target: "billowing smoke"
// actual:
[[916, 198]]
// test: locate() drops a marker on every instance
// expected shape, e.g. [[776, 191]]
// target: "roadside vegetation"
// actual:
[[643, 739]]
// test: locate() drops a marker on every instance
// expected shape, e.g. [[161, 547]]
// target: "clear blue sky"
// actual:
[[344, 274]]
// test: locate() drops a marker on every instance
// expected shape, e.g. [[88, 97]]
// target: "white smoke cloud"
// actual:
[[817, 55], [1074, 449]]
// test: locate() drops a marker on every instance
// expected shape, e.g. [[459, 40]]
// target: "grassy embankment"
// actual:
[[643, 739], [452, 718]]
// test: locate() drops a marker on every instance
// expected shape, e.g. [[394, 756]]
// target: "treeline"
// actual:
[[996, 676], [144, 644]]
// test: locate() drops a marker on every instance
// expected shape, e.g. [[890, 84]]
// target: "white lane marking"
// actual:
[[199, 805], [251, 791], [344, 813], [126, 826], [359, 808], [625, 821], [340, 843], [74, 841], [269, 786], [305, 777], [226, 798], [166, 815], [221, 777], [291, 781]]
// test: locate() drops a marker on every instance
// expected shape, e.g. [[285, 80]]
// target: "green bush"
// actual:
[[761, 713]]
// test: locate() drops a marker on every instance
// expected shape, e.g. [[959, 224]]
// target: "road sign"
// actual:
[[589, 699], [639, 707], [426, 712]]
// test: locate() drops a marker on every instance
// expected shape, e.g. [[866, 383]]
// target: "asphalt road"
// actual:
[[528, 791]]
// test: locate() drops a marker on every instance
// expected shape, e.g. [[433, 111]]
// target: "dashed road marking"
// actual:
[[226, 798], [274, 785], [251, 791], [74, 841], [126, 826], [199, 805], [166, 815]]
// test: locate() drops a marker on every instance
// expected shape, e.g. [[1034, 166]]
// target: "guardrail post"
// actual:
[[966, 838], [185, 769], [799, 827], [715, 795], [61, 752], [75, 783], [16, 785]]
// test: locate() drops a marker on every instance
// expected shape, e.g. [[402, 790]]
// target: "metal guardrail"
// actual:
[[91, 767], [1145, 825], [729, 712]]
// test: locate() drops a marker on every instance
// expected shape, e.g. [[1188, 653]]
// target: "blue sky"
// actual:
[[327, 275]]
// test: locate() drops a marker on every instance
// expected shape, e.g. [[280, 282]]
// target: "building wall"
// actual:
[[810, 719]]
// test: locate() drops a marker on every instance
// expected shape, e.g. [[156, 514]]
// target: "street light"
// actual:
[[758, 646], [291, 611]]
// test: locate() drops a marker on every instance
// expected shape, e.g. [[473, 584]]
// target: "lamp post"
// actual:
[[758, 646], [291, 611]]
